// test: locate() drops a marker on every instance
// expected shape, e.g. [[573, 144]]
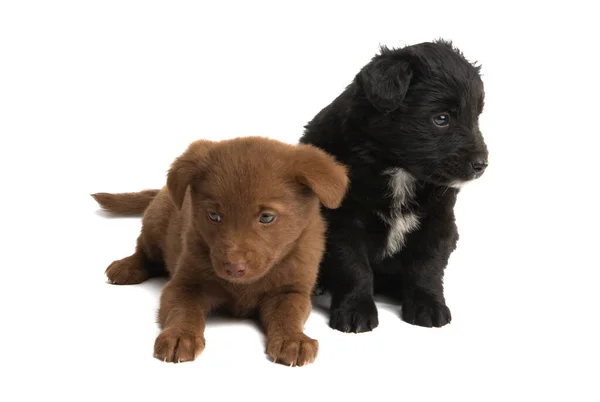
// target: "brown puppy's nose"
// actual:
[[235, 269]]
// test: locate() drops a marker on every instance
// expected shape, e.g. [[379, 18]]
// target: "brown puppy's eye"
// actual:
[[215, 217], [266, 218], [441, 120]]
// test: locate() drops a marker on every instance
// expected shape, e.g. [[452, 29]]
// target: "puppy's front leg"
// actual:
[[423, 263], [347, 273], [283, 315], [182, 316]]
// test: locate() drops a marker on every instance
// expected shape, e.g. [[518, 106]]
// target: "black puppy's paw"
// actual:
[[355, 317], [425, 312]]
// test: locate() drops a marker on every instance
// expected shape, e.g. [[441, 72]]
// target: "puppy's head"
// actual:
[[252, 198], [422, 105]]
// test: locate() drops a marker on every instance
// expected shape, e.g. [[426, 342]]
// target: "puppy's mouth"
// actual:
[[240, 281], [453, 182]]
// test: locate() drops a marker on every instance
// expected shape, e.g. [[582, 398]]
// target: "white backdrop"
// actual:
[[101, 96]]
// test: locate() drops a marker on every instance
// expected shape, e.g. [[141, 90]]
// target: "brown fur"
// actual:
[[126, 203], [239, 179]]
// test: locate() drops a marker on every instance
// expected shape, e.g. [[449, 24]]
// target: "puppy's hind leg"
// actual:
[[127, 271], [134, 269]]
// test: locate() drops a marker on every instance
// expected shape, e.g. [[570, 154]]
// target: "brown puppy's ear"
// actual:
[[185, 168], [385, 82], [320, 172]]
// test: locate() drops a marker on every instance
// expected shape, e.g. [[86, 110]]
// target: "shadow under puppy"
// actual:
[[407, 128], [238, 226]]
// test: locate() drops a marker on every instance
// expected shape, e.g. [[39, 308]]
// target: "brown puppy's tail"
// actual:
[[125, 203]]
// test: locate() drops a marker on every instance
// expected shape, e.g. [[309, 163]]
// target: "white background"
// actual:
[[102, 95]]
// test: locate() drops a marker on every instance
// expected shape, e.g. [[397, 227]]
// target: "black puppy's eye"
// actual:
[[215, 217], [441, 120], [266, 218]]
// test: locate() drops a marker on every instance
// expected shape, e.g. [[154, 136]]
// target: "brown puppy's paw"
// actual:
[[292, 350], [175, 345], [128, 271]]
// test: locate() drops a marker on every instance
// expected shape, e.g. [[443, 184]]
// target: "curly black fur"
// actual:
[[396, 229]]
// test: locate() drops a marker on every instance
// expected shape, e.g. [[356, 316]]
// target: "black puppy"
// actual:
[[407, 127]]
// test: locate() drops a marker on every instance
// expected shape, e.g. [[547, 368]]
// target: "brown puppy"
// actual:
[[238, 226]]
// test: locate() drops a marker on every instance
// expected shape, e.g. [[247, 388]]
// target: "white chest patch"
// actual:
[[402, 190]]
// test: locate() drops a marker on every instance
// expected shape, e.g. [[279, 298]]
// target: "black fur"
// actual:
[[384, 120]]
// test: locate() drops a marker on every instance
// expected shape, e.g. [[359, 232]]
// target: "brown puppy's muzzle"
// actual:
[[235, 269], [238, 264]]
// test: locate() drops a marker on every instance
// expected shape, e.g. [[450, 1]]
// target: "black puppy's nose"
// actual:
[[479, 165]]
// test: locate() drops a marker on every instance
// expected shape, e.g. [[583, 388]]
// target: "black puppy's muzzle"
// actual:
[[478, 166], [479, 158]]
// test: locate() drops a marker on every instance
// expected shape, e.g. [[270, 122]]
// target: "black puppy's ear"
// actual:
[[185, 168], [385, 82]]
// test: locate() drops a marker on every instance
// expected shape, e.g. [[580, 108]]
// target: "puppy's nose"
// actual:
[[479, 165], [235, 269]]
